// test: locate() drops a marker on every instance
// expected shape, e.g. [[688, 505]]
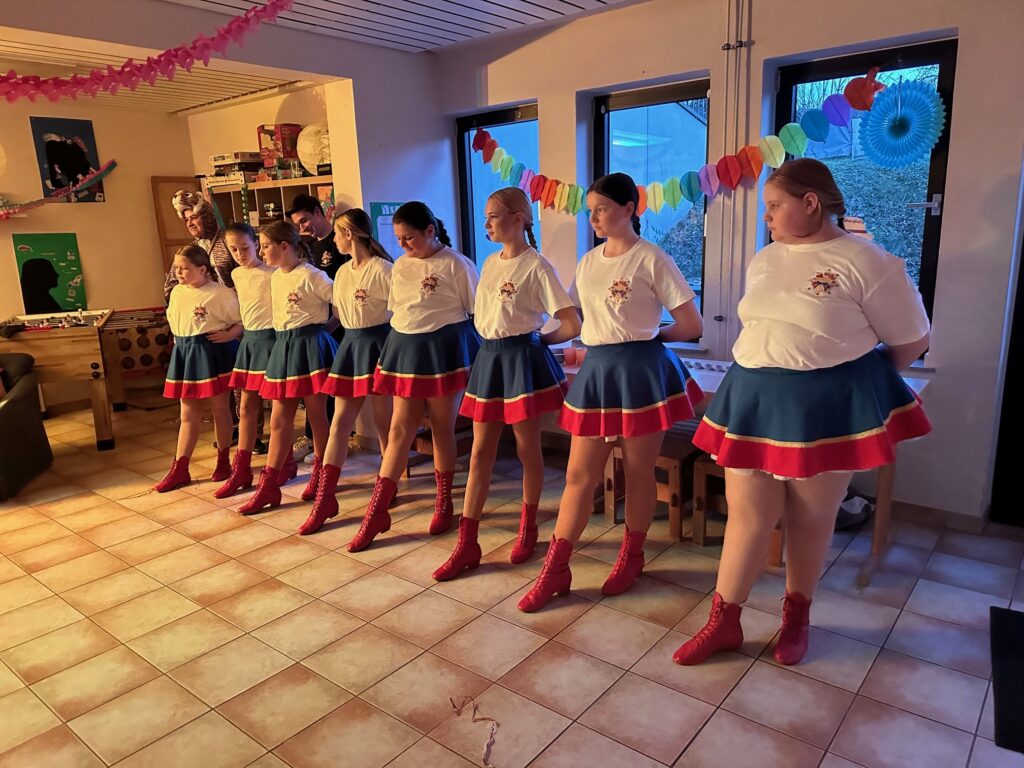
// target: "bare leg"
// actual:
[[811, 508], [638, 457], [316, 416], [249, 411], [382, 407], [404, 423], [528, 450], [220, 406], [282, 431], [443, 411], [587, 456], [486, 436], [190, 427], [346, 409]]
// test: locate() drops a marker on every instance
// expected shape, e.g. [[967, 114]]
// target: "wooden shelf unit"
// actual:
[[228, 197]]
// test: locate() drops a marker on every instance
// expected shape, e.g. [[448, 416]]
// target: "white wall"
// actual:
[[670, 40]]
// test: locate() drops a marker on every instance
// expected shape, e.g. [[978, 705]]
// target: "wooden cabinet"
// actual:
[[260, 194]]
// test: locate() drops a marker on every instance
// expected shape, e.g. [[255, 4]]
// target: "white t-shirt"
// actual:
[[194, 311], [301, 297], [427, 294], [253, 286], [823, 304], [361, 294], [622, 297], [516, 296]]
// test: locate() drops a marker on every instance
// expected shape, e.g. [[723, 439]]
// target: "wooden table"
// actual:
[[709, 374]]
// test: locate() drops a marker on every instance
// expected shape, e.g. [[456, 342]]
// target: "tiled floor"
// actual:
[[140, 629]]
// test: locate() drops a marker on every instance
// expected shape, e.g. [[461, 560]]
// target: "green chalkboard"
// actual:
[[50, 271]]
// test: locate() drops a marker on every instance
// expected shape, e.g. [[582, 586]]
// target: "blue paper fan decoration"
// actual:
[[903, 125]]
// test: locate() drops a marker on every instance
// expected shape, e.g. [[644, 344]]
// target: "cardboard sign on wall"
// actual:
[[50, 271]]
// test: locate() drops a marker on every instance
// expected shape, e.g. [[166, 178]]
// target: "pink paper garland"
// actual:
[[14, 86]]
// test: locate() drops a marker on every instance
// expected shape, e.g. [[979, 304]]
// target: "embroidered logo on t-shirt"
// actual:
[[429, 284], [294, 298], [360, 297], [823, 283], [619, 290], [507, 291], [199, 313]]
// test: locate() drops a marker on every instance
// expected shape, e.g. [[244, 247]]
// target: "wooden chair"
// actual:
[[423, 443]]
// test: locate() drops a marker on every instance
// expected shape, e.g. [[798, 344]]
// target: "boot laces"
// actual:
[[792, 623], [714, 620]]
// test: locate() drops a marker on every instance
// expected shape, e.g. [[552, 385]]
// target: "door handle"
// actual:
[[935, 206]]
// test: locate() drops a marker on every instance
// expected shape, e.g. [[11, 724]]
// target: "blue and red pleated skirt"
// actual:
[[631, 389], [199, 368], [512, 380], [299, 363], [252, 358], [355, 361], [431, 364], [797, 424]]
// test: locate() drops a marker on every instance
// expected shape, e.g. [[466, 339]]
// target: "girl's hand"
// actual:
[[226, 335]]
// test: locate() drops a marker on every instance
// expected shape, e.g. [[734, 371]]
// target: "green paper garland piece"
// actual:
[[793, 139], [506, 167], [772, 151], [496, 158], [690, 185], [673, 192]]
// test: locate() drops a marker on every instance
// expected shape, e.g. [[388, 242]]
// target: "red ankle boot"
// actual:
[[223, 469], [290, 469], [240, 477], [555, 577], [376, 520], [176, 477], [629, 566], [268, 492], [796, 615], [467, 551], [326, 505], [443, 513], [309, 492], [527, 541], [722, 633]]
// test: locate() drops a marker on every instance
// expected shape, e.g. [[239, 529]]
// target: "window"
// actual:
[[653, 135], [894, 202], [515, 130]]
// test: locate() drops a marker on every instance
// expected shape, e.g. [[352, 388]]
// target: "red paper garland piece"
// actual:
[[729, 171], [860, 91], [537, 187], [548, 196], [479, 139], [488, 151], [751, 162]]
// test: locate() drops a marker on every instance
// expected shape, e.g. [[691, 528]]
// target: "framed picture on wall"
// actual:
[[66, 153]]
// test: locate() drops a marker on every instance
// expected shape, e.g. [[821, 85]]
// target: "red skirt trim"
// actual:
[[419, 386], [515, 409], [348, 386], [600, 422], [197, 390], [294, 387], [250, 381]]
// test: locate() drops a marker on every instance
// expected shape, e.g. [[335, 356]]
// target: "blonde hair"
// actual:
[[802, 175], [357, 221], [198, 256], [514, 200], [282, 231]]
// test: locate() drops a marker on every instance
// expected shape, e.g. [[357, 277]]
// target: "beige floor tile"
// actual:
[[556, 616], [987, 755], [34, 620], [657, 601], [150, 546], [281, 706], [23, 717], [144, 614], [136, 719], [324, 574], [32, 536], [103, 594], [20, 592], [367, 738], [85, 686], [187, 508], [18, 519], [428, 752], [988, 549], [282, 555], [887, 587], [561, 679], [833, 659], [940, 642], [87, 519], [260, 604], [239, 541], [219, 583], [53, 553], [9, 682], [418, 694], [685, 568], [362, 658], [209, 741], [878, 736], [269, 761], [747, 744], [387, 547], [70, 504], [57, 747], [796, 705], [47, 487], [611, 636], [426, 619], [952, 604], [371, 595], [484, 588], [489, 646], [307, 629], [834, 761], [8, 570], [418, 565], [181, 641], [81, 570], [711, 681], [579, 745], [125, 529], [175, 566], [231, 669], [58, 650], [997, 580], [526, 728], [860, 619], [210, 524], [929, 690]]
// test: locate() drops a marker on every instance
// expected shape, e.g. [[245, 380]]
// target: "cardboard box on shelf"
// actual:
[[278, 141]]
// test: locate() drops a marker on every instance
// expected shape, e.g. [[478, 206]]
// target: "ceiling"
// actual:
[[415, 25]]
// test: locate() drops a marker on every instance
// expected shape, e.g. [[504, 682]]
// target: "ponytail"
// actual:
[[285, 232], [418, 216], [442, 234], [636, 223], [357, 221], [530, 238]]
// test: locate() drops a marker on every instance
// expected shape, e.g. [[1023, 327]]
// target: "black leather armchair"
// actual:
[[24, 450]]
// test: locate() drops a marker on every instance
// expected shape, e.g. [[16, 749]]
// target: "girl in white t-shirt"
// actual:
[[630, 389], [425, 361], [361, 289], [515, 378], [299, 360], [204, 318], [814, 395]]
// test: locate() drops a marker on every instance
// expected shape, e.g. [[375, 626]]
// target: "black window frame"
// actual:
[[943, 53], [464, 128]]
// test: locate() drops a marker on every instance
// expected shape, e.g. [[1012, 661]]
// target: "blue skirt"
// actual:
[[512, 380], [430, 364], [252, 358], [355, 361], [633, 388], [299, 363], [199, 368], [803, 423]]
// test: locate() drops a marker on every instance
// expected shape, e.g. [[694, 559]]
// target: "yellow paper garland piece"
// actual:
[[772, 151], [496, 158]]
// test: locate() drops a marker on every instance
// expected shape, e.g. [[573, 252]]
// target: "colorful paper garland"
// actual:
[[17, 209]]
